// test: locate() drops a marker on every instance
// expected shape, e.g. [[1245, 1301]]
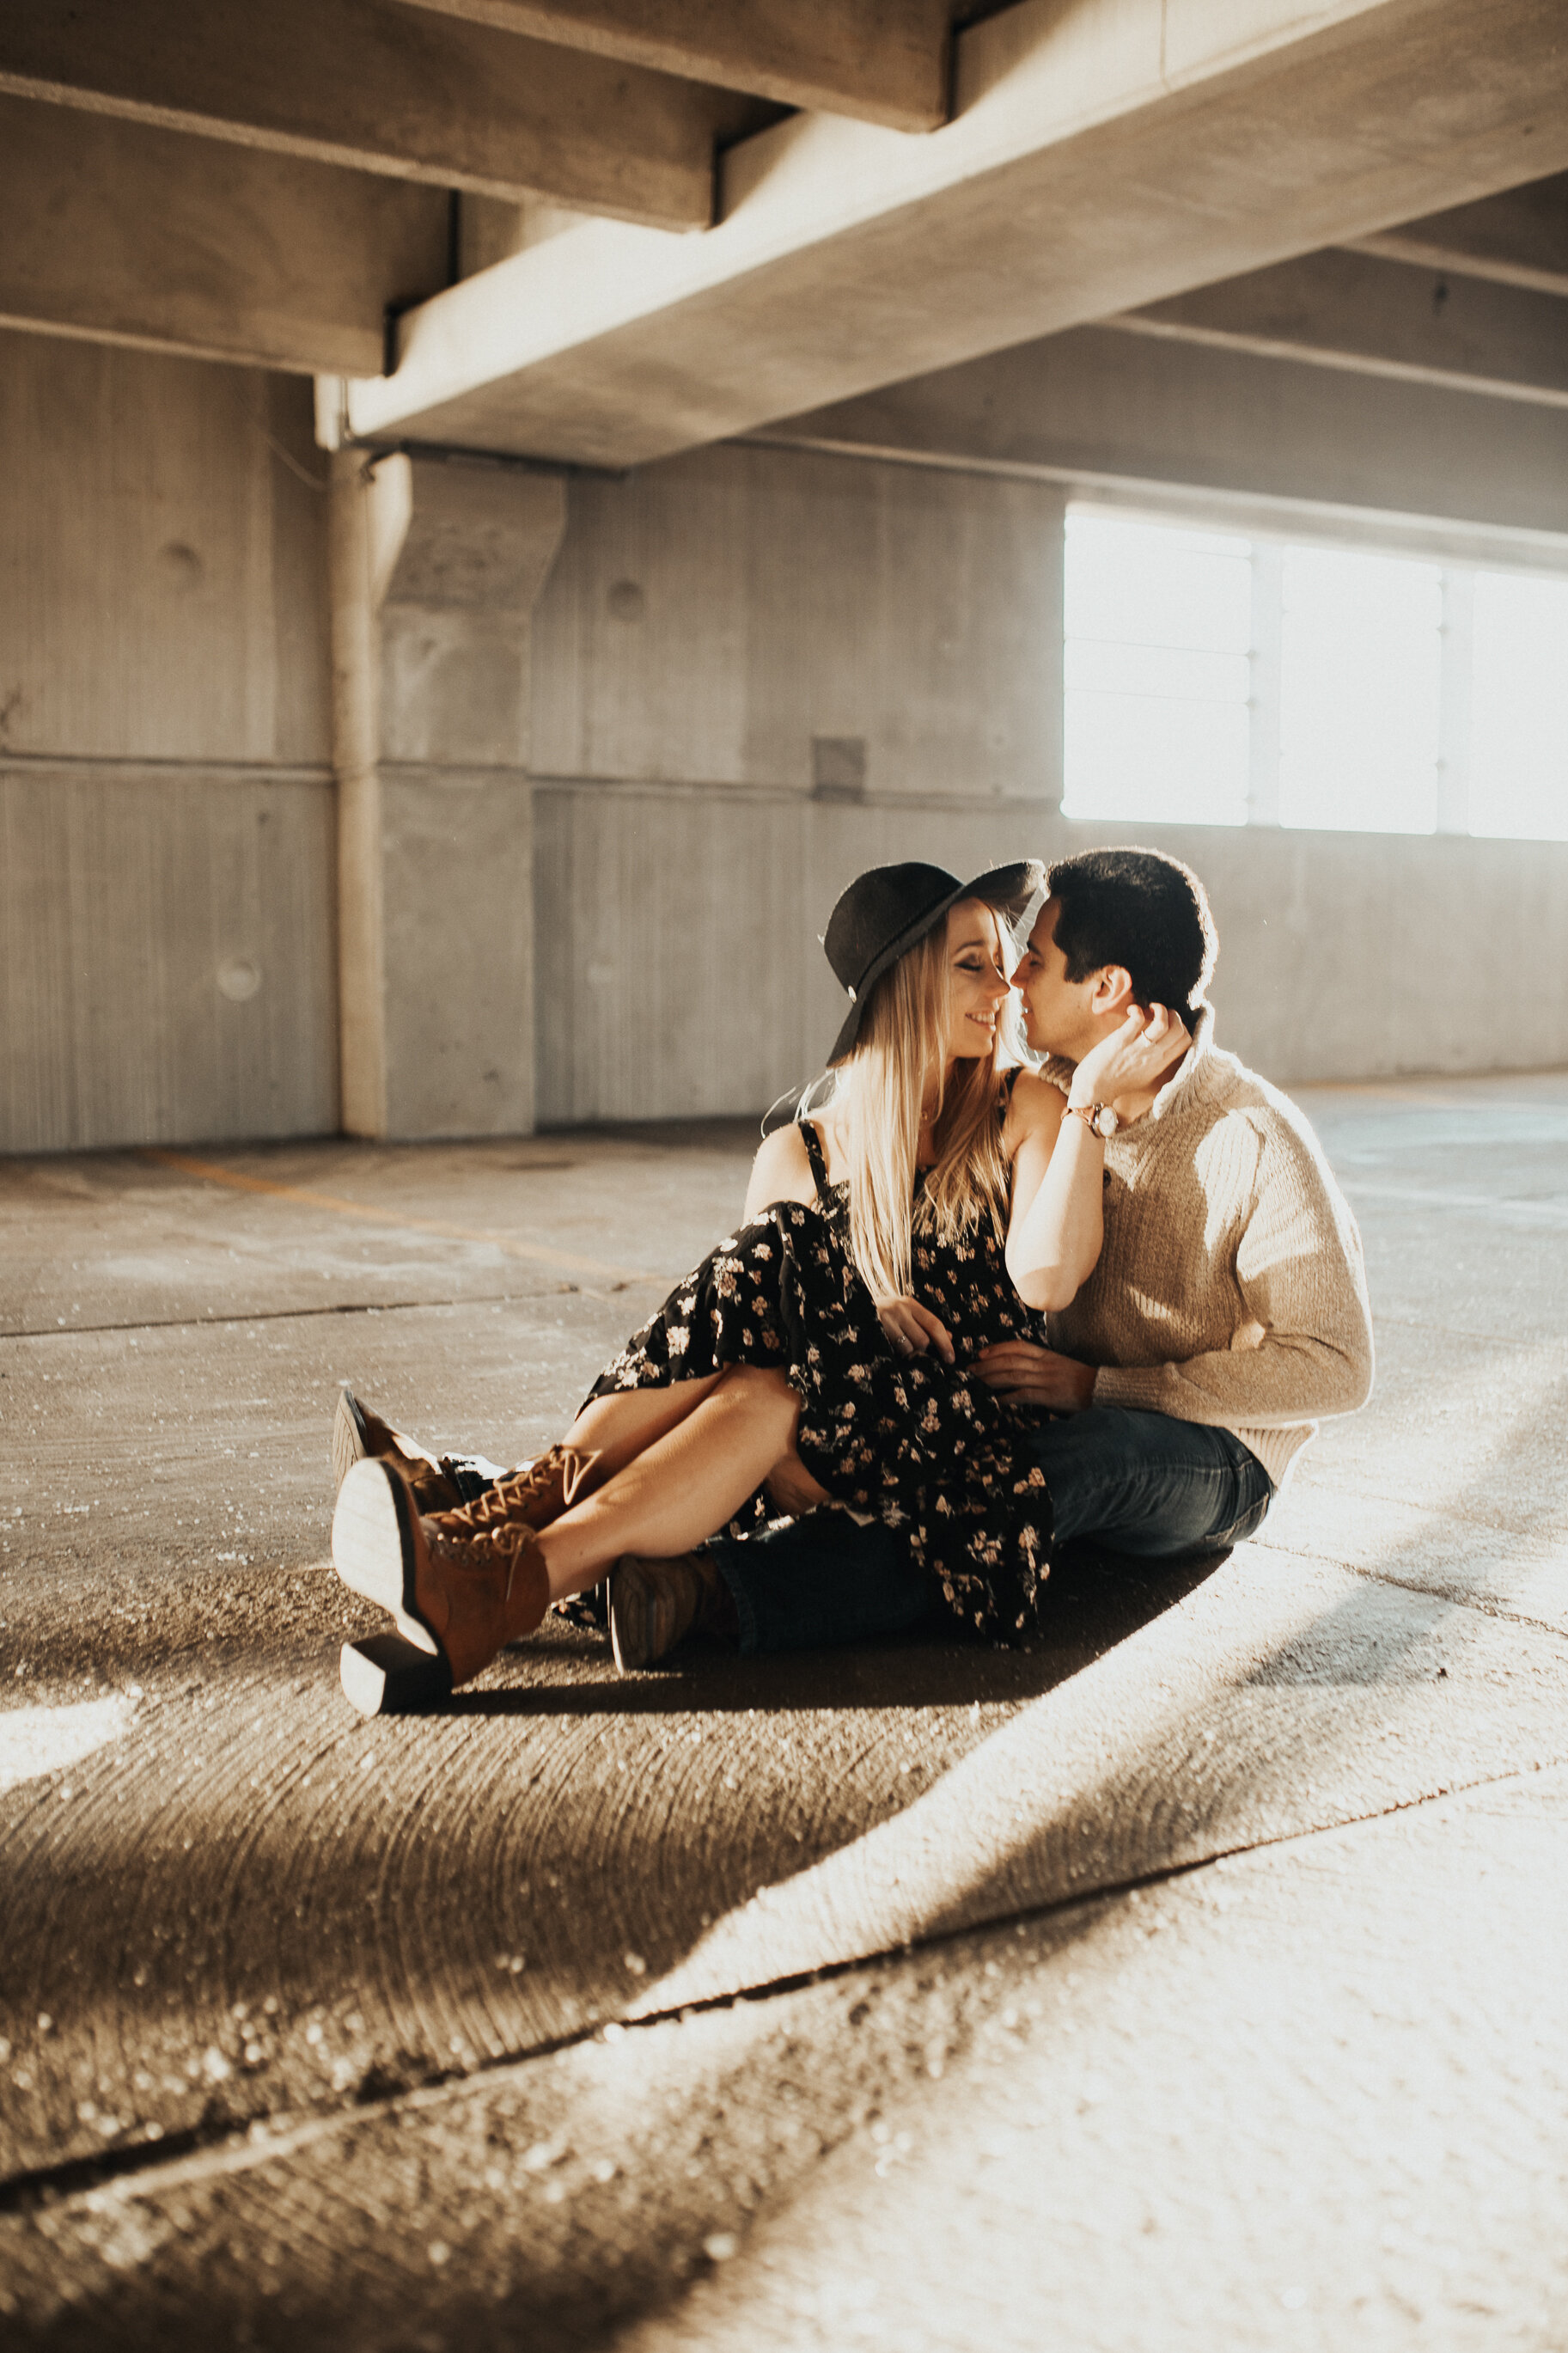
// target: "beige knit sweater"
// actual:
[[1231, 1288]]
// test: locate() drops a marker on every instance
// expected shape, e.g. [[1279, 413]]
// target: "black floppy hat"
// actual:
[[886, 909]]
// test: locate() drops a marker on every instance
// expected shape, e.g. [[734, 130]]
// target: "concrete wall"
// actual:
[[753, 671], [165, 802], [671, 984], [707, 619]]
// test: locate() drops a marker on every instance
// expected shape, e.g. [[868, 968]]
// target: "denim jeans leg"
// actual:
[[818, 1580], [1148, 1484]]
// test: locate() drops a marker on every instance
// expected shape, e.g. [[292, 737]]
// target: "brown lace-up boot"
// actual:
[[360, 1436], [457, 1586], [537, 1493]]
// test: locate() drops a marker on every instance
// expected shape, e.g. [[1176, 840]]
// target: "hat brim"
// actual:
[[1015, 893]]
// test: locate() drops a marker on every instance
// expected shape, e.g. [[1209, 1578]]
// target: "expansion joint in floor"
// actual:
[[199, 2154]]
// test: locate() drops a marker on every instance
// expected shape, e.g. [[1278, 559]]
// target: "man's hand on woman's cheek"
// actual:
[[1026, 1375]]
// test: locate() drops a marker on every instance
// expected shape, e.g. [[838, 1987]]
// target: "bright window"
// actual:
[[1218, 678], [1519, 707], [1360, 656], [1158, 672]]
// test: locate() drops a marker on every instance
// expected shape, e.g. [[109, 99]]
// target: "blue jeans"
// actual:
[[1144, 1482]]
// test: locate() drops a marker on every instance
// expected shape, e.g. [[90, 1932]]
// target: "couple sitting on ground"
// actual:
[[976, 1307]]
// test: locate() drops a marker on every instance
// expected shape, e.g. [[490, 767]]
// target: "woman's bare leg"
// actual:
[[681, 1487], [619, 1427]]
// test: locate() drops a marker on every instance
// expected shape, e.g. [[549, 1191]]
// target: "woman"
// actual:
[[827, 1339]]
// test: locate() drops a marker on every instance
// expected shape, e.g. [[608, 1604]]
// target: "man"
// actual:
[[1226, 1313]]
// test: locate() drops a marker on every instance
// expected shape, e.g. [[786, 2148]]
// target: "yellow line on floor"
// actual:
[[538, 1253]]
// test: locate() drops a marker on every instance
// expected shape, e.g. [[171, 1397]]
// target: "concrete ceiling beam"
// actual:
[[885, 61], [385, 89], [1136, 416], [1519, 238], [128, 235], [1358, 310], [1101, 157]]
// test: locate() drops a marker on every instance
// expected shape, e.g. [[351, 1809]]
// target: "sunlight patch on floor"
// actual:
[[38, 1740]]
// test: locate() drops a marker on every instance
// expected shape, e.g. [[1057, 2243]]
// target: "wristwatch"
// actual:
[[1098, 1116]]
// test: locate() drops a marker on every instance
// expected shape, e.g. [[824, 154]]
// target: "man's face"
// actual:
[[1056, 1016]]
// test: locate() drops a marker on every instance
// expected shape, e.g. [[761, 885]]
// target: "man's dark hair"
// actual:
[[1140, 909]]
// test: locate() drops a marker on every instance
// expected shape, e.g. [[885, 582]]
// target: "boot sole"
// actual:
[[373, 1549], [385, 1676], [350, 1438]]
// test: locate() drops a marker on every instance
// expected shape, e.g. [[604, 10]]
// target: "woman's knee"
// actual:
[[628, 1409]]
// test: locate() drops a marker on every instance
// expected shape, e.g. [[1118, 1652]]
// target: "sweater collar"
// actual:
[[1190, 1078]]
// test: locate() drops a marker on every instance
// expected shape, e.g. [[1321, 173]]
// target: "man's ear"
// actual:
[[1113, 990]]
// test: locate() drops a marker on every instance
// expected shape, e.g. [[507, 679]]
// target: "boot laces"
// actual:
[[480, 1549], [503, 1501]]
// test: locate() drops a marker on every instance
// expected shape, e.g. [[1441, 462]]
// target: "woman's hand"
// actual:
[[913, 1330], [1129, 1060]]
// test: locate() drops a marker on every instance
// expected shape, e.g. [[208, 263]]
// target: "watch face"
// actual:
[[1107, 1121]]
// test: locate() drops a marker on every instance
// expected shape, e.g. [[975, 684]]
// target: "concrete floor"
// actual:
[[1194, 1980]]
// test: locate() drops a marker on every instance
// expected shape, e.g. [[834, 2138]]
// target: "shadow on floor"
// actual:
[[1096, 1599]]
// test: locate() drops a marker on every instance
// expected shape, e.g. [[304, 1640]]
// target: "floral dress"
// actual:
[[922, 1445]]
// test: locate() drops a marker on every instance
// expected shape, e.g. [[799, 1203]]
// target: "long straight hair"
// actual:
[[882, 1086]]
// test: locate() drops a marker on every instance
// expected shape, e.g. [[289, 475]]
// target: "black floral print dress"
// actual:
[[922, 1445]]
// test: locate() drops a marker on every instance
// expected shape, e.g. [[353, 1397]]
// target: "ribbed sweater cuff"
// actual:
[[1132, 1384]]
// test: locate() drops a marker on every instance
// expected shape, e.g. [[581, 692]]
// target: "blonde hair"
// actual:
[[880, 1088]]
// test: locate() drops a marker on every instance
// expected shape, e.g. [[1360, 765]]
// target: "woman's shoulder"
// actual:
[[781, 1171]]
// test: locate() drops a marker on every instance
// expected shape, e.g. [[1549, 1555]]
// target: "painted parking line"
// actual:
[[537, 1253]]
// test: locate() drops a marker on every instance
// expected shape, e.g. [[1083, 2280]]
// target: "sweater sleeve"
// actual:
[[1304, 1345]]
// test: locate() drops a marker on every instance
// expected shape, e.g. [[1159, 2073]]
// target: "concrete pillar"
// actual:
[[434, 571]]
